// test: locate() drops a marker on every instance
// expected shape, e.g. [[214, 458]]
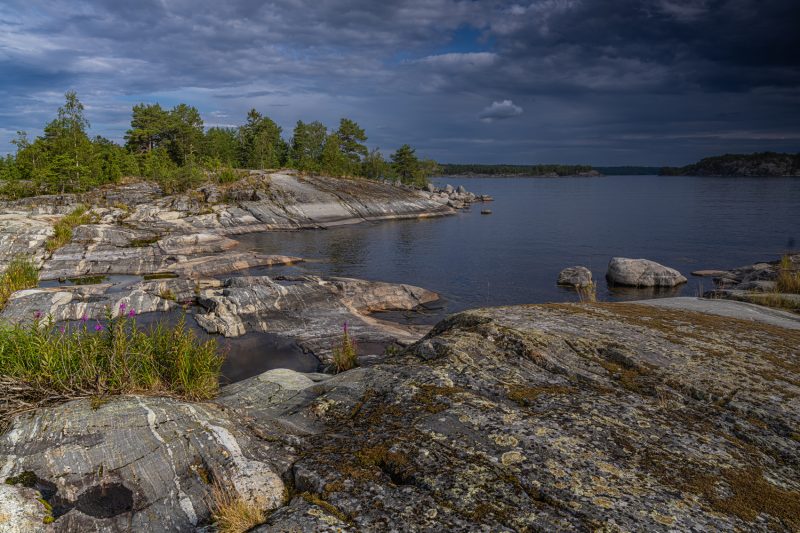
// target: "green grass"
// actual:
[[63, 228], [41, 364], [788, 277], [20, 274]]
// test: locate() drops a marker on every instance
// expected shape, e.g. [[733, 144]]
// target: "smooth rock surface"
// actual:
[[642, 273], [561, 417], [734, 309], [158, 455]]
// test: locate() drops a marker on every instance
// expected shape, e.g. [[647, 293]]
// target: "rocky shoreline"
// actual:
[[545, 417], [672, 415], [156, 253]]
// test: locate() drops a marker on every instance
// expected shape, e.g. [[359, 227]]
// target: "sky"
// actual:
[[603, 82]]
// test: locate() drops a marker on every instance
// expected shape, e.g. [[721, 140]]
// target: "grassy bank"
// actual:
[[20, 274], [63, 228], [41, 364], [788, 277]]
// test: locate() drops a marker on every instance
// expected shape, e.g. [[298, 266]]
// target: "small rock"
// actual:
[[448, 189], [577, 276], [709, 273], [486, 211]]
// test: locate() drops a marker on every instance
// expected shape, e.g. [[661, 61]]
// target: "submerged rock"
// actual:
[[577, 276], [549, 417], [642, 273]]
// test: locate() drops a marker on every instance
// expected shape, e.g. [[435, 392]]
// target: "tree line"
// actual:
[[173, 147], [512, 170]]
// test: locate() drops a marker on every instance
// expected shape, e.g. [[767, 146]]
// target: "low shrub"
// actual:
[[344, 355], [42, 364], [19, 274], [231, 513], [63, 228], [587, 293], [788, 277]]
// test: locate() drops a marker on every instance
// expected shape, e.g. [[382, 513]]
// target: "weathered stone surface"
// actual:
[[550, 417], [757, 283], [308, 308], [20, 510], [642, 273], [73, 303], [22, 235], [154, 458], [739, 310], [577, 276], [114, 250]]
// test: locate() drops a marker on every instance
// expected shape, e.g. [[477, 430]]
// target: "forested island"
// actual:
[[476, 169], [743, 165], [173, 148]]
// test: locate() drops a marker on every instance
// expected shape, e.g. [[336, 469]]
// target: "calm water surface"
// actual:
[[541, 225]]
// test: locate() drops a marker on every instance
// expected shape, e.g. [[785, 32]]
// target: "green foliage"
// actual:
[[223, 145], [351, 136], [63, 228], [409, 169], [374, 166], [19, 274], [149, 128], [39, 362], [178, 132], [261, 142], [334, 161], [171, 148], [307, 145]]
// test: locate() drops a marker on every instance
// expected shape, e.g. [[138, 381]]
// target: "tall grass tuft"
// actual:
[[63, 228], [231, 513], [41, 364], [587, 293], [20, 274], [788, 277], [344, 355]]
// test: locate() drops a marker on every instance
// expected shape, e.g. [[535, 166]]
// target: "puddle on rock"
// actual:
[[105, 501], [119, 282], [245, 356]]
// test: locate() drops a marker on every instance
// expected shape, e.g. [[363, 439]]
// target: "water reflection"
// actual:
[[541, 226]]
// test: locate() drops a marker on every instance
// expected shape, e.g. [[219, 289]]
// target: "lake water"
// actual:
[[541, 225]]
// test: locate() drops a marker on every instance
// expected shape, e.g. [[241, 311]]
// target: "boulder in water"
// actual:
[[577, 276], [642, 273]]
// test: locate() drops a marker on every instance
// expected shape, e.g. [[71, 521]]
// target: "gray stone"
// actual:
[[642, 273], [577, 276], [556, 418], [160, 454], [20, 510]]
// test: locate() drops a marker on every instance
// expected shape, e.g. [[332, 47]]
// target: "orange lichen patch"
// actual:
[[751, 495], [525, 395]]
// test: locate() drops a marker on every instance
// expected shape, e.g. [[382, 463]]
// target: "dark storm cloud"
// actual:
[[649, 81]]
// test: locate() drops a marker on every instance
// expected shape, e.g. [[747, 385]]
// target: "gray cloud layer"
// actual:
[[600, 81]]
